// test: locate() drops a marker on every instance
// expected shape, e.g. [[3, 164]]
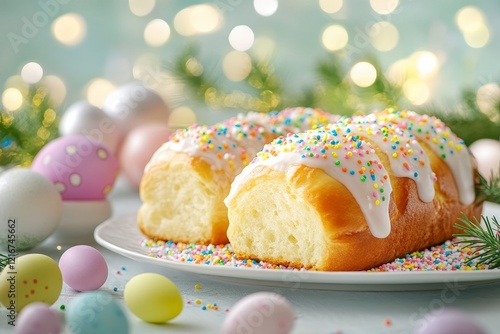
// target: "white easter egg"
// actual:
[[30, 209], [487, 154], [82, 118], [133, 104]]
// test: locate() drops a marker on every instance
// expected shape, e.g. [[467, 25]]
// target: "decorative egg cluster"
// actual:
[[80, 168]]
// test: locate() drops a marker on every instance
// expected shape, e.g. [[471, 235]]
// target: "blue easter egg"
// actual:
[[96, 312]]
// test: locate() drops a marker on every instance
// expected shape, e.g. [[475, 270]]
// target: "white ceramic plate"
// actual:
[[121, 235]]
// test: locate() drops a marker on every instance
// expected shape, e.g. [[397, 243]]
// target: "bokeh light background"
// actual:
[[85, 49]]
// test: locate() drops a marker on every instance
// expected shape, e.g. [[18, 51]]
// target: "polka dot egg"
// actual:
[[80, 168]]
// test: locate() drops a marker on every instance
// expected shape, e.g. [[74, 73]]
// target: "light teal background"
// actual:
[[113, 32]]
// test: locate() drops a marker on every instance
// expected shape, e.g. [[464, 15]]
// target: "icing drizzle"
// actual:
[[406, 157], [231, 145], [349, 159], [441, 140]]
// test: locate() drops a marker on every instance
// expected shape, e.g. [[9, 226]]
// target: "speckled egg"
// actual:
[[80, 168], [260, 313], [448, 321], [32, 278], [83, 268], [153, 298], [30, 209], [96, 312], [38, 318]]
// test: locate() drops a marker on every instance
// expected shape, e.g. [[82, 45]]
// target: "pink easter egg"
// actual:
[[38, 318], [83, 268], [448, 321], [138, 148], [80, 168], [260, 313]]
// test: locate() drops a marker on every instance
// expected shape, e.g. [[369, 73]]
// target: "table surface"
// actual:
[[317, 311]]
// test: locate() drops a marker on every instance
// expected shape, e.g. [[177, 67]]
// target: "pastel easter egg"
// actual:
[[262, 313], [96, 312], [38, 318], [133, 104], [83, 118], [153, 298], [448, 321], [81, 168], [31, 278], [83, 268], [138, 148], [30, 209]]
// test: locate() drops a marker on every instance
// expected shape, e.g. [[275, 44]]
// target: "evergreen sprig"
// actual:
[[486, 242], [332, 91], [4, 261], [24, 132], [488, 190]]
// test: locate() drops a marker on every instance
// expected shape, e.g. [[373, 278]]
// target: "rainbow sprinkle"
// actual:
[[215, 255], [446, 257]]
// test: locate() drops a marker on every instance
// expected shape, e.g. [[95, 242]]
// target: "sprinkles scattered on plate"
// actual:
[[215, 255], [446, 257]]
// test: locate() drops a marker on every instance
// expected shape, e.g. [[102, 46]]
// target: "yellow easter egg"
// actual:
[[153, 298], [31, 278]]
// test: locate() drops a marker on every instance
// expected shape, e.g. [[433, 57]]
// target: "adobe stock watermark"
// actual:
[[227, 5], [448, 296], [31, 25], [272, 304], [362, 37], [123, 106]]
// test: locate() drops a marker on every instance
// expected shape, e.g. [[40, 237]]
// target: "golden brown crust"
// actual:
[[346, 242]]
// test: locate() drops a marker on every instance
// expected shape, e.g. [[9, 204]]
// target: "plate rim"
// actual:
[[284, 276]]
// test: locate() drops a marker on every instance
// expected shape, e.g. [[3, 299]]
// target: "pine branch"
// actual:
[[25, 131], [488, 190], [187, 69], [4, 261], [485, 241]]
